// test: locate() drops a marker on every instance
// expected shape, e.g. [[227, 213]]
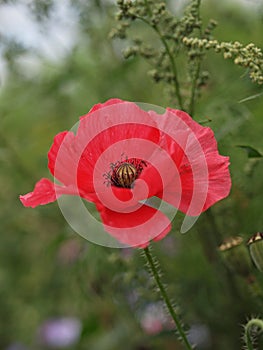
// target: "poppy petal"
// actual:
[[111, 101], [136, 228], [62, 156], [204, 174], [45, 192]]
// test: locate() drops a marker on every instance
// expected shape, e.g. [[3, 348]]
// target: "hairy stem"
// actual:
[[154, 271], [253, 323]]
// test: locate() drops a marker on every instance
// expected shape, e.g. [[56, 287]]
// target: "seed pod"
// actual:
[[255, 244], [126, 175]]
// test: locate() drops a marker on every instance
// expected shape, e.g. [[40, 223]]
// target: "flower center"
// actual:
[[124, 173]]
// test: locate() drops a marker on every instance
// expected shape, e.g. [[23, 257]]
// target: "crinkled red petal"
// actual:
[[204, 174], [46, 191], [63, 157], [43, 193], [111, 101], [137, 228]]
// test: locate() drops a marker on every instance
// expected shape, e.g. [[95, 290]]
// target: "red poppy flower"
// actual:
[[121, 156]]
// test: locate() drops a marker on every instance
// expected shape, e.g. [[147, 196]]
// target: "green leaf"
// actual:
[[251, 152], [252, 97]]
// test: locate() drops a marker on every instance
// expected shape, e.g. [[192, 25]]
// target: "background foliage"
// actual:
[[47, 270]]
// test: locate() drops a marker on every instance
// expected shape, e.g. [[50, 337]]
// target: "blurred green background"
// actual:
[[47, 271]]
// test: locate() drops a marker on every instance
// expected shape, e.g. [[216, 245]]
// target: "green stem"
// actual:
[[213, 224], [156, 275], [193, 90], [173, 66], [170, 55], [197, 71], [255, 322]]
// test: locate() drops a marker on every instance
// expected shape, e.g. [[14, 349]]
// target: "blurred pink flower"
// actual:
[[154, 319], [60, 332]]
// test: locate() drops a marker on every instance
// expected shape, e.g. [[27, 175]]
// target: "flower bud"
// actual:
[[255, 244], [236, 255]]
